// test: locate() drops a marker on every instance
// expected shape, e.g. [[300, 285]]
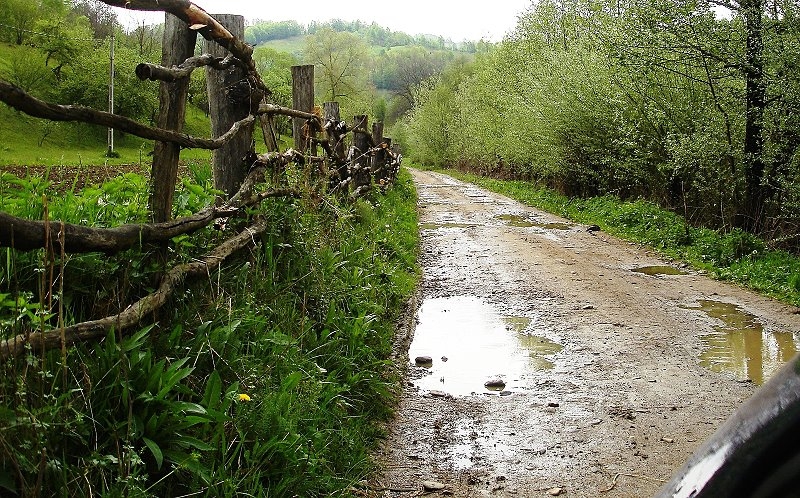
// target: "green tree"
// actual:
[[405, 68], [20, 16], [275, 68], [63, 40], [102, 18], [341, 60], [433, 120]]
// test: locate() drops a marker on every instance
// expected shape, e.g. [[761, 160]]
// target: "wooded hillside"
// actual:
[[692, 104]]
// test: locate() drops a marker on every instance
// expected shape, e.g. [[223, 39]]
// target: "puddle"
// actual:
[[436, 226], [659, 270], [471, 343], [741, 346], [516, 220]]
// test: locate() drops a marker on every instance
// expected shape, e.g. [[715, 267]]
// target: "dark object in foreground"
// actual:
[[755, 453]]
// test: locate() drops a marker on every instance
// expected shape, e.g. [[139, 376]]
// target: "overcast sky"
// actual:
[[457, 20]]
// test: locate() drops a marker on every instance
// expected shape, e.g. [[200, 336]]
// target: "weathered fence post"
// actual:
[[379, 158], [178, 45], [361, 161], [336, 141], [229, 102], [332, 114], [302, 100]]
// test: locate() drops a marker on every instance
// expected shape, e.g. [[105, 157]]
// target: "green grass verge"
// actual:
[[268, 378], [735, 256]]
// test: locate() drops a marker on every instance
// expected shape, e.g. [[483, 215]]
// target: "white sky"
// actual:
[[457, 20]]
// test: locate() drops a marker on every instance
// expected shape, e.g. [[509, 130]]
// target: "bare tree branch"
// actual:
[[135, 313], [20, 100], [25, 235], [271, 109], [154, 72], [199, 20]]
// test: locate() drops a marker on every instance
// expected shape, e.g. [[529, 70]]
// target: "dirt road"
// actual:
[[612, 377]]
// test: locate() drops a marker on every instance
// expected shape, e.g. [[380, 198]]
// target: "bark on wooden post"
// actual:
[[336, 140], [178, 45], [229, 102], [268, 128], [361, 162], [379, 158], [302, 100]]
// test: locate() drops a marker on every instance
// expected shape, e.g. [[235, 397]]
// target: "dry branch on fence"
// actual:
[[22, 101], [155, 72], [135, 313], [200, 21], [26, 235], [271, 109]]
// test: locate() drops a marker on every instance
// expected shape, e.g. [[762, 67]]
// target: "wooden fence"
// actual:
[[354, 159]]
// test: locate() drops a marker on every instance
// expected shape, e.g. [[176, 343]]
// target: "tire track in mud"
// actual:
[[613, 413]]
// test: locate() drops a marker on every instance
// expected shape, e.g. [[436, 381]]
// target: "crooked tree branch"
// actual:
[[271, 109], [26, 235], [200, 20], [134, 314], [20, 100], [155, 72]]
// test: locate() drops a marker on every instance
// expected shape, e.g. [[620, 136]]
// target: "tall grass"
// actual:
[[266, 379]]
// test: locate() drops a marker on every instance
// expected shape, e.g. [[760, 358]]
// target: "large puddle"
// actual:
[[470, 343], [516, 220], [741, 346]]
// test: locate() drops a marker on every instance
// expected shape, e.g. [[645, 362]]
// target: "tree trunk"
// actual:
[[751, 217], [229, 101], [178, 45]]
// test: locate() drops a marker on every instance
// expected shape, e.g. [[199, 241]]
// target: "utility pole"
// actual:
[[110, 152]]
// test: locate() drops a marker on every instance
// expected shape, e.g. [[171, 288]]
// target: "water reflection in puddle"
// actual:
[[658, 270], [741, 346], [516, 220], [471, 343]]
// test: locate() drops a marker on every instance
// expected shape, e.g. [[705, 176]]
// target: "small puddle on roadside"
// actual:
[[470, 343], [436, 226], [741, 345], [659, 270], [516, 220]]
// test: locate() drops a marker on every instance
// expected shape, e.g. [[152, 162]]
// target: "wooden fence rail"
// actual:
[[370, 159]]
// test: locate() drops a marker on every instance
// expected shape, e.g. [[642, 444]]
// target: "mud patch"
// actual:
[[741, 346], [471, 343], [654, 271]]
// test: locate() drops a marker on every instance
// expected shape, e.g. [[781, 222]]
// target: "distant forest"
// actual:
[[264, 31]]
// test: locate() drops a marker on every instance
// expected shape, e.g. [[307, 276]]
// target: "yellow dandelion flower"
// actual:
[[244, 397]]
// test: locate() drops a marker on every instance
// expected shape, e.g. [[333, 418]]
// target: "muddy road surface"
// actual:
[[607, 366]]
